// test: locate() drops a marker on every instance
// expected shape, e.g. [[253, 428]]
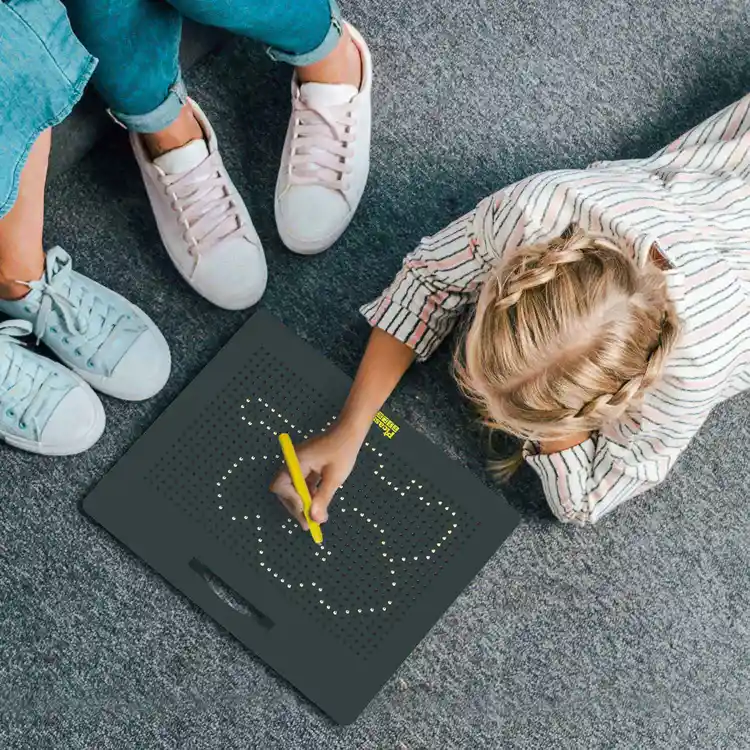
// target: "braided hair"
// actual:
[[567, 336]]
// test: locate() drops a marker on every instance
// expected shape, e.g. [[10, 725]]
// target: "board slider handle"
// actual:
[[229, 596]]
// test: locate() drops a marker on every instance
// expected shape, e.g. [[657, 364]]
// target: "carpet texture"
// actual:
[[634, 634]]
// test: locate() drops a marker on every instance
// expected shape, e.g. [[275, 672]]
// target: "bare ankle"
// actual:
[[343, 65], [183, 130], [18, 266], [12, 291]]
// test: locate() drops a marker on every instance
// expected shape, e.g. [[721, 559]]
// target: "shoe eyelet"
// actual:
[[77, 352], [90, 364], [52, 329], [10, 413], [27, 308], [65, 340], [22, 425]]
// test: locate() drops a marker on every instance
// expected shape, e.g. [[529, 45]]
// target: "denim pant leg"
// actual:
[[43, 71], [299, 32], [137, 43]]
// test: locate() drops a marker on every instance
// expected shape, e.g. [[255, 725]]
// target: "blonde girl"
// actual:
[[608, 314]]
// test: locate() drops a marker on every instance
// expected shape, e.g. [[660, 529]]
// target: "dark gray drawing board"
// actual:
[[407, 532]]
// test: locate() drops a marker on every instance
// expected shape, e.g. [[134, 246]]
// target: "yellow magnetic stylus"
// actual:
[[292, 463]]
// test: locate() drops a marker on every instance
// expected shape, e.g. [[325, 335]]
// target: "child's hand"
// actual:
[[328, 459], [326, 462]]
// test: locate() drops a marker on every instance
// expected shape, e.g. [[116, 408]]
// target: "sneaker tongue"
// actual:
[[184, 158], [327, 94]]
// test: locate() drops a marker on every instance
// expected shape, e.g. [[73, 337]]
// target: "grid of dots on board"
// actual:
[[390, 534]]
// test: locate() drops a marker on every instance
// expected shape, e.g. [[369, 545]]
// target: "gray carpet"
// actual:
[[632, 635]]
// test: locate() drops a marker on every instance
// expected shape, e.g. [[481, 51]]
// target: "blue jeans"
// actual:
[[137, 43], [44, 67], [43, 71]]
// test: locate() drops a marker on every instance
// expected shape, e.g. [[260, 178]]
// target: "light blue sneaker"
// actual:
[[44, 407], [103, 338]]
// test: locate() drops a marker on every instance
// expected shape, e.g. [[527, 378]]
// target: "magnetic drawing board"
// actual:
[[407, 532]]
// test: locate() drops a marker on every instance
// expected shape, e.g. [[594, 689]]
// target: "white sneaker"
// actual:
[[203, 221], [106, 340], [44, 408], [325, 161]]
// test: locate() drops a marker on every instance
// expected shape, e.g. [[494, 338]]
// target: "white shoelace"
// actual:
[[322, 141], [203, 201], [25, 383], [91, 323]]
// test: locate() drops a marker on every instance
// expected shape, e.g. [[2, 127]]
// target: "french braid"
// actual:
[[609, 406], [534, 272], [567, 336]]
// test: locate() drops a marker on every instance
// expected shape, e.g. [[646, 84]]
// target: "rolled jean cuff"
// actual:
[[329, 43], [160, 117]]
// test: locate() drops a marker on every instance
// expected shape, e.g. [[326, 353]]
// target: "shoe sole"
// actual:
[[299, 247], [88, 441]]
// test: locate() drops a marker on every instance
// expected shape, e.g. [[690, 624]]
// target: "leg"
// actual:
[[202, 221], [325, 162], [295, 30], [21, 250], [137, 43], [100, 336], [299, 32], [342, 65], [138, 76], [44, 407], [43, 70]]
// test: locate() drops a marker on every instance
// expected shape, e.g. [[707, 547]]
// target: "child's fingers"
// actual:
[[313, 480], [283, 488], [323, 497], [295, 510]]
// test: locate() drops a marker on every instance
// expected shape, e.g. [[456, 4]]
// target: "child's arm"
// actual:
[[443, 277], [385, 360], [330, 457], [437, 282]]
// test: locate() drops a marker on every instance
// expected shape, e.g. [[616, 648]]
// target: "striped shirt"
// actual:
[[691, 200]]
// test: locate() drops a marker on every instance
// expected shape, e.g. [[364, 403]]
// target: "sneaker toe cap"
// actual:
[[310, 218], [232, 275], [76, 423], [144, 369]]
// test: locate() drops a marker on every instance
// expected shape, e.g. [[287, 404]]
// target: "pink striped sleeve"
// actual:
[[439, 279], [587, 481]]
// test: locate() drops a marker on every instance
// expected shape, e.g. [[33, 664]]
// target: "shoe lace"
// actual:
[[25, 382], [322, 139], [96, 327], [207, 211]]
